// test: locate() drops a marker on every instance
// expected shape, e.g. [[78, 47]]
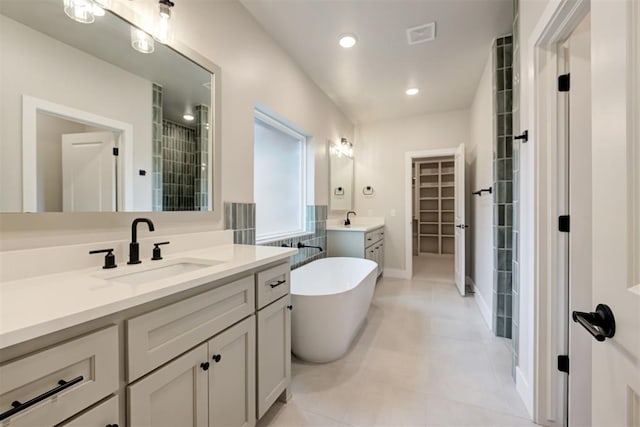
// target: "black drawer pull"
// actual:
[[112, 425], [278, 283], [204, 366], [216, 358], [290, 307], [18, 407]]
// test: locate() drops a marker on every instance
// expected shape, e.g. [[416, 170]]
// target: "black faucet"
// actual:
[[348, 221], [134, 247], [302, 245]]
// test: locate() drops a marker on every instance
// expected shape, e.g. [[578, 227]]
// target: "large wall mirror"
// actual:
[[100, 117], [341, 177]]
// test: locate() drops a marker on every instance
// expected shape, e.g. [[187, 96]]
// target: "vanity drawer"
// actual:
[[88, 365], [373, 236], [272, 284], [159, 336], [104, 414]]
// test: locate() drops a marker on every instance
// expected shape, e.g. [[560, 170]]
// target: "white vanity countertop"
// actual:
[[357, 224], [36, 306]]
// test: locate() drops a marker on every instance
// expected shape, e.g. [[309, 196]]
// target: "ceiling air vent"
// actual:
[[421, 33]]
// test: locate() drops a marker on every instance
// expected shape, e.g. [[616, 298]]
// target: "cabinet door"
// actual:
[[274, 352], [380, 258], [232, 376], [370, 253], [174, 395]]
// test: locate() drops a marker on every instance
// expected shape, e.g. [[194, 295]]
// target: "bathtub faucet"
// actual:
[[302, 245], [348, 221]]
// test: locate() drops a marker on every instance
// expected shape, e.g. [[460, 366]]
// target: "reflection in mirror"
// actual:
[[91, 123], [341, 179]]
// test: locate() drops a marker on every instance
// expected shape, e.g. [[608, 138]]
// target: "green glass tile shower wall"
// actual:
[[241, 218], [178, 167], [503, 185], [156, 136]]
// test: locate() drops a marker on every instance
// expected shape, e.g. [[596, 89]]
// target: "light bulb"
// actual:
[[163, 30], [141, 41], [80, 10]]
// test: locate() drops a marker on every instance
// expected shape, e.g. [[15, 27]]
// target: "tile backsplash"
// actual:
[[241, 218]]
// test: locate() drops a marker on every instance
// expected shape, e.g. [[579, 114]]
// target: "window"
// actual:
[[279, 187]]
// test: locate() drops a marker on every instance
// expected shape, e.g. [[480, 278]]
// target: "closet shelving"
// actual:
[[434, 207]]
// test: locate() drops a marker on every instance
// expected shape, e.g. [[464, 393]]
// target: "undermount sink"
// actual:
[[174, 268]]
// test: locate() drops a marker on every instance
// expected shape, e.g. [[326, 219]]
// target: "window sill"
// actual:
[[274, 239]]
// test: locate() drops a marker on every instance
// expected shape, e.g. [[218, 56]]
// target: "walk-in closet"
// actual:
[[433, 206]]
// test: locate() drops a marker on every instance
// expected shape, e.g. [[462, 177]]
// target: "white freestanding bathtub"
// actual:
[[331, 298]]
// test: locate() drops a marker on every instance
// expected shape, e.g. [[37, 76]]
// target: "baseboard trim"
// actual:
[[525, 391], [484, 307], [395, 273]]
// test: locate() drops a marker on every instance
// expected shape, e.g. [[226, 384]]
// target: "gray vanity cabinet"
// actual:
[[232, 379], [357, 244], [174, 395], [274, 352], [211, 385]]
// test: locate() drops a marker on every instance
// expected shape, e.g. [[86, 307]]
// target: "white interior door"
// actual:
[[88, 172], [580, 201], [616, 218], [460, 220]]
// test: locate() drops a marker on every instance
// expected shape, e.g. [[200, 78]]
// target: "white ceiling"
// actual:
[[368, 82]]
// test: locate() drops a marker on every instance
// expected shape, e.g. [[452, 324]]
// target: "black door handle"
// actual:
[[600, 323], [463, 226]]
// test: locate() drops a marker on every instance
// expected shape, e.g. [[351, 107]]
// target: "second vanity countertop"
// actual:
[[356, 225], [36, 306]]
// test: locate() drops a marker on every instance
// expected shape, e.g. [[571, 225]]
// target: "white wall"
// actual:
[[37, 65], [254, 69], [379, 162], [480, 170]]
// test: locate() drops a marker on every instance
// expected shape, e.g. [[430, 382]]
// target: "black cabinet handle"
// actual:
[[111, 425], [290, 307], [18, 407], [204, 366], [600, 324], [217, 358], [278, 283]]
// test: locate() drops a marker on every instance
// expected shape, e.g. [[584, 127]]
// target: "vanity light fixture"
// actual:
[[348, 41], [141, 41], [412, 91], [345, 148], [188, 117], [163, 30], [80, 10]]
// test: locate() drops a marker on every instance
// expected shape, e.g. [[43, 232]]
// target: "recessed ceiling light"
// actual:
[[412, 91], [348, 40], [188, 117]]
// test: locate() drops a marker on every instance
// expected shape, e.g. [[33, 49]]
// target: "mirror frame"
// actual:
[[132, 17]]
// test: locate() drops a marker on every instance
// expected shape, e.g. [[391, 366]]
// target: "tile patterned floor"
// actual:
[[424, 358]]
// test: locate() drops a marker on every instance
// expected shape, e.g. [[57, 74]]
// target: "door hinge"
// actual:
[[564, 223], [563, 363], [115, 151], [564, 82]]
